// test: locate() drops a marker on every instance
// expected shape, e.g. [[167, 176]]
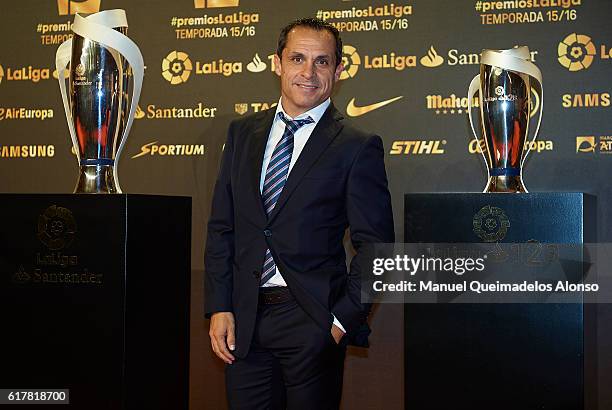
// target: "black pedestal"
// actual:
[[94, 297], [499, 356]]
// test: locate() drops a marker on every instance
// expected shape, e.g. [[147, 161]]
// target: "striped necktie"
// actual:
[[276, 176]]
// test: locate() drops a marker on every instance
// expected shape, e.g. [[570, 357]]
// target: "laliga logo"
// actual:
[[66, 7], [202, 4], [176, 67], [576, 52], [350, 61]]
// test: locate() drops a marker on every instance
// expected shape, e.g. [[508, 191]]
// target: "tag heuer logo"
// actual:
[[241, 108]]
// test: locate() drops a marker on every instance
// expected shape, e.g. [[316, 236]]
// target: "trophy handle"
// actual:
[[62, 58], [541, 91], [99, 27], [473, 88]]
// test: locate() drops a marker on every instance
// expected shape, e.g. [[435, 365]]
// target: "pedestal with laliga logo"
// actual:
[[94, 297], [502, 356]]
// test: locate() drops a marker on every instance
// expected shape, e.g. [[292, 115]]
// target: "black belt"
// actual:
[[274, 294]]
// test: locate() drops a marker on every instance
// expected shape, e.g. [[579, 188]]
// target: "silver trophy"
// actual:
[[504, 82], [104, 79]]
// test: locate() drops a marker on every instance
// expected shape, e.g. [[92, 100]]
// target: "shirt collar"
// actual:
[[315, 113]]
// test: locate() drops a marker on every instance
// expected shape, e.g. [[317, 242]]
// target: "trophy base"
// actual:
[[96, 179], [506, 184]]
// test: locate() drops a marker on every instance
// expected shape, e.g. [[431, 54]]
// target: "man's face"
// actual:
[[307, 69]]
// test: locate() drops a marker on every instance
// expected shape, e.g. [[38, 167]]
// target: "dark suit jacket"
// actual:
[[338, 181]]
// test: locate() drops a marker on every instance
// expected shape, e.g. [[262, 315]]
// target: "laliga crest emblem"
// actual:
[[491, 224], [56, 227]]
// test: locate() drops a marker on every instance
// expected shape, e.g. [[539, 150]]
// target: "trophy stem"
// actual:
[[506, 184], [96, 179]]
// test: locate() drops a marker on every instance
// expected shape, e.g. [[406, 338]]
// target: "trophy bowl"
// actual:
[[504, 82], [100, 95]]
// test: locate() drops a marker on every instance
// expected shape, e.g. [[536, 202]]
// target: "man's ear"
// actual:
[[277, 64], [339, 71]]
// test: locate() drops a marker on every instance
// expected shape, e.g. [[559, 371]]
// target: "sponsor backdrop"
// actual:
[[408, 66]]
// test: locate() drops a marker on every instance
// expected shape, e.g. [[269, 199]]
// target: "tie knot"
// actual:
[[294, 125]]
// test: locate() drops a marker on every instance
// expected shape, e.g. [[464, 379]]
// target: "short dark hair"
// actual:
[[315, 24]]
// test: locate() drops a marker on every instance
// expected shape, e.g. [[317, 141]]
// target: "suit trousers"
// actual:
[[292, 364]]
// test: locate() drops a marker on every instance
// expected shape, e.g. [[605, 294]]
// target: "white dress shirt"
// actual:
[[300, 137]]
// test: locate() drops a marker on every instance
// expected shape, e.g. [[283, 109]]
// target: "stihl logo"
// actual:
[[418, 147]]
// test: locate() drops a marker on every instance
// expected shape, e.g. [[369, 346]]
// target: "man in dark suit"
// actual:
[[292, 180]]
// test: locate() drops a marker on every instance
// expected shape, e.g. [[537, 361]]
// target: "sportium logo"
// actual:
[[176, 67], [576, 52], [67, 7], [203, 4], [175, 150], [417, 147]]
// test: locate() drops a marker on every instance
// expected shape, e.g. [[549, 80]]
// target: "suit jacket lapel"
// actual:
[[255, 154], [324, 133]]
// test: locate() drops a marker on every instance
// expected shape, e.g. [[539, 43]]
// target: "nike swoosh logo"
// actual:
[[353, 111]]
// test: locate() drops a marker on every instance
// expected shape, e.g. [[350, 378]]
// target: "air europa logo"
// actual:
[[66, 7], [539, 145]]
